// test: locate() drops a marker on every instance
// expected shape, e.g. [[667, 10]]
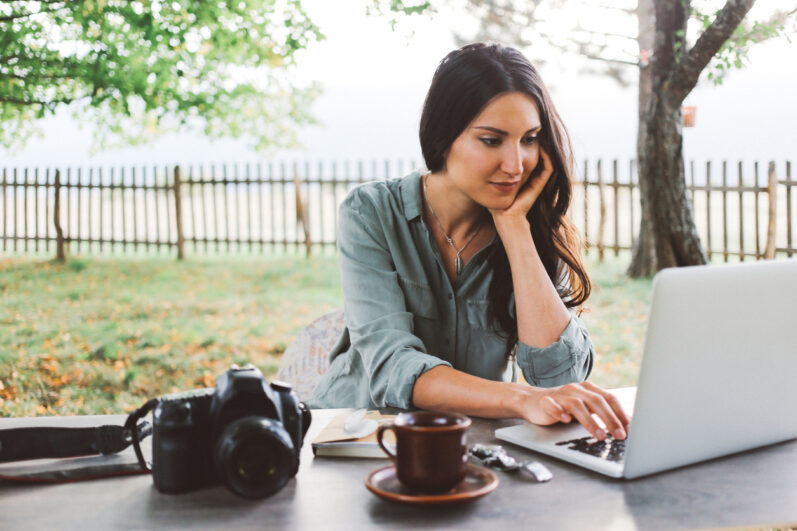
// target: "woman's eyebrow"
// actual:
[[502, 132]]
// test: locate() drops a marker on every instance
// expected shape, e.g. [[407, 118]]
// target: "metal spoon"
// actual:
[[494, 456]]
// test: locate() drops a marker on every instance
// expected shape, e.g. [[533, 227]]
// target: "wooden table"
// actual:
[[754, 488]]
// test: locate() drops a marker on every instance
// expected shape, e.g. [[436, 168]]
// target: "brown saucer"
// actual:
[[478, 481]]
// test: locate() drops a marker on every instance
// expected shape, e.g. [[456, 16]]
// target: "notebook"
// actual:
[[333, 441]]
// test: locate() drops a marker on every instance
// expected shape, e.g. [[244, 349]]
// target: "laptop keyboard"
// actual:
[[610, 449]]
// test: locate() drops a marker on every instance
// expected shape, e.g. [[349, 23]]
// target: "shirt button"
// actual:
[[450, 296]]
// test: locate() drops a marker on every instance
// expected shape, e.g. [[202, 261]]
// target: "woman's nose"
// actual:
[[512, 163]]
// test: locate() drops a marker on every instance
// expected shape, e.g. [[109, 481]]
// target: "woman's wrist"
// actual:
[[521, 400], [511, 226], [515, 234]]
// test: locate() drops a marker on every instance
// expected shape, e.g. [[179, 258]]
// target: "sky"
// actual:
[[375, 80]]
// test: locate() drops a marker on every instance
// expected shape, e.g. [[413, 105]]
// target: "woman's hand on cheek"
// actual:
[[529, 193]]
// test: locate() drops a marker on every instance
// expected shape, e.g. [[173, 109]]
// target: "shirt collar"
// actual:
[[411, 195]]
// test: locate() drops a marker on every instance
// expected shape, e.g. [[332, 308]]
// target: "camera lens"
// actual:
[[255, 457]]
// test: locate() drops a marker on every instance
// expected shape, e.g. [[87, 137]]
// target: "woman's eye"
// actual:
[[490, 141], [530, 139]]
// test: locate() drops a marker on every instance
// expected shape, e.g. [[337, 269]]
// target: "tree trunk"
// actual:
[[667, 233], [667, 236]]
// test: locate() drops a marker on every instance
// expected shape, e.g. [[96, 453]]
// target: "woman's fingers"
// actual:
[[554, 410], [538, 182], [547, 164], [613, 403], [598, 405], [530, 190], [582, 402], [579, 410]]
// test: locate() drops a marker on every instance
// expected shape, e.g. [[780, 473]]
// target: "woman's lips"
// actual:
[[506, 187]]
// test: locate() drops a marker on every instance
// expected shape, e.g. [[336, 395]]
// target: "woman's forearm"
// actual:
[[541, 314], [446, 389]]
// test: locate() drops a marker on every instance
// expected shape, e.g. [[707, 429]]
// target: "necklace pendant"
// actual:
[[458, 263]]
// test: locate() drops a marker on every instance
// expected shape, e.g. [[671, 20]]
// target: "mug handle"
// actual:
[[380, 431]]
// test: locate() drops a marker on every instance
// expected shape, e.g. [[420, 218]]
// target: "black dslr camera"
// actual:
[[245, 433]]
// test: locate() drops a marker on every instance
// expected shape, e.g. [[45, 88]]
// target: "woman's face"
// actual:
[[495, 154]]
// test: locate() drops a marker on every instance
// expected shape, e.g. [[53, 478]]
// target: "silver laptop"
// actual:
[[718, 374]]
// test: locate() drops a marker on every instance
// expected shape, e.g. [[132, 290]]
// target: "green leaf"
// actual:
[[137, 71]]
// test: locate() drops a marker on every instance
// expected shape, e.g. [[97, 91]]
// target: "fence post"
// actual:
[[772, 188], [301, 214], [602, 207], [741, 210], [725, 210], [586, 206], [59, 233], [178, 213], [616, 208], [708, 209], [789, 185]]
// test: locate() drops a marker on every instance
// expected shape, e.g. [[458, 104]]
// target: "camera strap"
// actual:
[[132, 423], [20, 444]]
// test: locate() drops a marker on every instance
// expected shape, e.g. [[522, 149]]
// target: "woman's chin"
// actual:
[[501, 203]]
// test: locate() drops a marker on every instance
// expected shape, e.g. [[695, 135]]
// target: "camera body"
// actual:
[[245, 433]]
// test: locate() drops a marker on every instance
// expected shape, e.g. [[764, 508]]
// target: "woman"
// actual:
[[456, 277]]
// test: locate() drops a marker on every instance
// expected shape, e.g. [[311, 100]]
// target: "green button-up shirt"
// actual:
[[404, 316]]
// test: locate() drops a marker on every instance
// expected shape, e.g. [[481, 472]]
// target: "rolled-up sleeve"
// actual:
[[380, 327], [567, 360]]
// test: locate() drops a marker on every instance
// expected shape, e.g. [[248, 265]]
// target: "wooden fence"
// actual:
[[749, 210], [257, 208]]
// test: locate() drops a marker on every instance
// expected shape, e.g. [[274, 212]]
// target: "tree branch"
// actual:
[[579, 28], [35, 76], [7, 58], [9, 18], [627, 10], [685, 74], [17, 101], [583, 50], [610, 61], [43, 57], [606, 34], [757, 35]]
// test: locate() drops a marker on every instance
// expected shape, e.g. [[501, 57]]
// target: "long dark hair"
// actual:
[[466, 80]]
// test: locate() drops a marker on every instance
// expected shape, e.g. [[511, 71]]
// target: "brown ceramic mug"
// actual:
[[431, 449]]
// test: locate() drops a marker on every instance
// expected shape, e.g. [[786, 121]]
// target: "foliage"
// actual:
[[734, 52], [141, 67], [396, 10], [103, 335]]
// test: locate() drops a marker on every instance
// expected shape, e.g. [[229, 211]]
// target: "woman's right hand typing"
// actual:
[[573, 401]]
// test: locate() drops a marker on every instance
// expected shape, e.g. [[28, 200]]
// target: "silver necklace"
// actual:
[[458, 261]]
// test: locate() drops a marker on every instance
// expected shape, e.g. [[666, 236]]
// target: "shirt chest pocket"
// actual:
[[476, 314], [419, 299], [421, 303]]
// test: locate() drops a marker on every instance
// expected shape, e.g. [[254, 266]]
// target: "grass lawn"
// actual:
[[101, 335]]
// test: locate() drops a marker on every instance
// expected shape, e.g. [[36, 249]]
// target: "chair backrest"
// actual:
[[306, 359]]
